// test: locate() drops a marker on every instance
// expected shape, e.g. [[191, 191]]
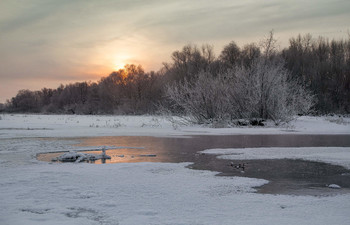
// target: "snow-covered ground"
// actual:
[[33, 192], [86, 125]]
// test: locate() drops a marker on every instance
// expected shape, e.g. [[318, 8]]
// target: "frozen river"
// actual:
[[286, 176]]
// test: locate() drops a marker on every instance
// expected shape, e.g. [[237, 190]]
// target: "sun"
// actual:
[[118, 65], [120, 60]]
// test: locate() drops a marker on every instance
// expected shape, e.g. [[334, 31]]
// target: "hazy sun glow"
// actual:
[[118, 66], [119, 61]]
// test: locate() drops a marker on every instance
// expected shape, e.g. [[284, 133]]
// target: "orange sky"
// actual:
[[44, 43]]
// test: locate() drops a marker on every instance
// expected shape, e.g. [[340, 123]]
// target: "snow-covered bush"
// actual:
[[206, 99], [265, 90], [262, 90]]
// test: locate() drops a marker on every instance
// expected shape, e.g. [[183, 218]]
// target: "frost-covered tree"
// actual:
[[265, 90], [238, 94], [205, 100], [262, 88]]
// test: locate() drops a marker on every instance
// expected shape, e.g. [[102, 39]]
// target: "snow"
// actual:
[[141, 193], [73, 156], [334, 186], [23, 125], [33, 192]]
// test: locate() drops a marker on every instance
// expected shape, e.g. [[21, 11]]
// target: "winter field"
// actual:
[[35, 192]]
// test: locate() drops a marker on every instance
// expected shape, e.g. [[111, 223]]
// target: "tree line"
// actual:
[[128, 91], [257, 80]]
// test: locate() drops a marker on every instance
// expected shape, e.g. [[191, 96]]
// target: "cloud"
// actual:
[[61, 39]]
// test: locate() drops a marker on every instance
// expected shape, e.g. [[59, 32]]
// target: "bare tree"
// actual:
[[188, 62], [249, 53], [230, 55], [323, 67]]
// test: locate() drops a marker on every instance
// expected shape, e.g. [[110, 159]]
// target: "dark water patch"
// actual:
[[285, 176]]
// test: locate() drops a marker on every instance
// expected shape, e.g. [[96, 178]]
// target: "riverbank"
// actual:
[[32, 125]]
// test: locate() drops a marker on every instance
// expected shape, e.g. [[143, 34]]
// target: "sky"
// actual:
[[45, 43]]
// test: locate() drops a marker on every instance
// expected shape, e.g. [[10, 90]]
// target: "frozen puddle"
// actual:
[[286, 176]]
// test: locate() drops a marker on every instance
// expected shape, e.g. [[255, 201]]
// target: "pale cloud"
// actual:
[[80, 40]]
